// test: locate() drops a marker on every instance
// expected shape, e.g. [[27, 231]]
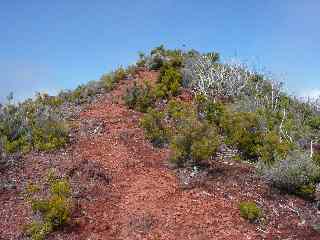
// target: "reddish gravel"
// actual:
[[126, 190]]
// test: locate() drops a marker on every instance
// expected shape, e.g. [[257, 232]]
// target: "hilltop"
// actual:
[[178, 146]]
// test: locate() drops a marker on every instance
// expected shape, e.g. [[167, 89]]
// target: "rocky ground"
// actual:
[[124, 188]]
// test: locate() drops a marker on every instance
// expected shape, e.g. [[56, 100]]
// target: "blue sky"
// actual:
[[53, 45]]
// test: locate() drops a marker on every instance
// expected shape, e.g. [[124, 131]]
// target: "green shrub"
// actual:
[[211, 111], [21, 144], [316, 158], [293, 174], [169, 82], [247, 132], [119, 74], [51, 136], [46, 100], [55, 210], [243, 131], [177, 111], [194, 143], [38, 230], [142, 60], [250, 211], [139, 98], [306, 191], [272, 148], [108, 81], [160, 56], [314, 122], [37, 124], [154, 127]]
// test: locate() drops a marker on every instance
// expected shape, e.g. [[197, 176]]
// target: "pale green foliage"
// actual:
[[292, 173], [55, 210]]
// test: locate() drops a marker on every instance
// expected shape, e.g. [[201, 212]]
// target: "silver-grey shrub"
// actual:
[[290, 174], [206, 76]]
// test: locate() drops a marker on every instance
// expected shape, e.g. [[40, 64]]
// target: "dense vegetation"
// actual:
[[234, 105]]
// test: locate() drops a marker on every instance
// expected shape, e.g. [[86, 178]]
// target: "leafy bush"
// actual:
[[248, 132], [160, 56], [209, 110], [250, 211], [111, 79], [291, 174], [169, 82], [32, 125], [306, 191], [139, 98], [177, 111], [108, 81], [316, 158], [243, 131], [119, 74], [3, 157], [191, 141], [54, 210], [194, 143], [154, 127], [272, 148]]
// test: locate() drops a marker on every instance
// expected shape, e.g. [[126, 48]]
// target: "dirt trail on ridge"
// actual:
[[125, 190], [149, 202]]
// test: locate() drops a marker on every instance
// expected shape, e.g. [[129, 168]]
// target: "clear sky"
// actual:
[[53, 45]]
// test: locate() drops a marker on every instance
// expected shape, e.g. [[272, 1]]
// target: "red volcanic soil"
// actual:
[[124, 188]]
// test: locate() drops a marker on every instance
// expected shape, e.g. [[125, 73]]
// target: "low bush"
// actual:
[[154, 127], [32, 125], [55, 210], [111, 79], [306, 191], [316, 158], [247, 131], [160, 56], [177, 111], [108, 81], [293, 174], [3, 157], [243, 131], [169, 82], [139, 98], [194, 143], [272, 148], [250, 211], [119, 74], [209, 110], [85, 93]]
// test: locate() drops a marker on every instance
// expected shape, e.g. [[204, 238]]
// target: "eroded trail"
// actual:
[[147, 201]]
